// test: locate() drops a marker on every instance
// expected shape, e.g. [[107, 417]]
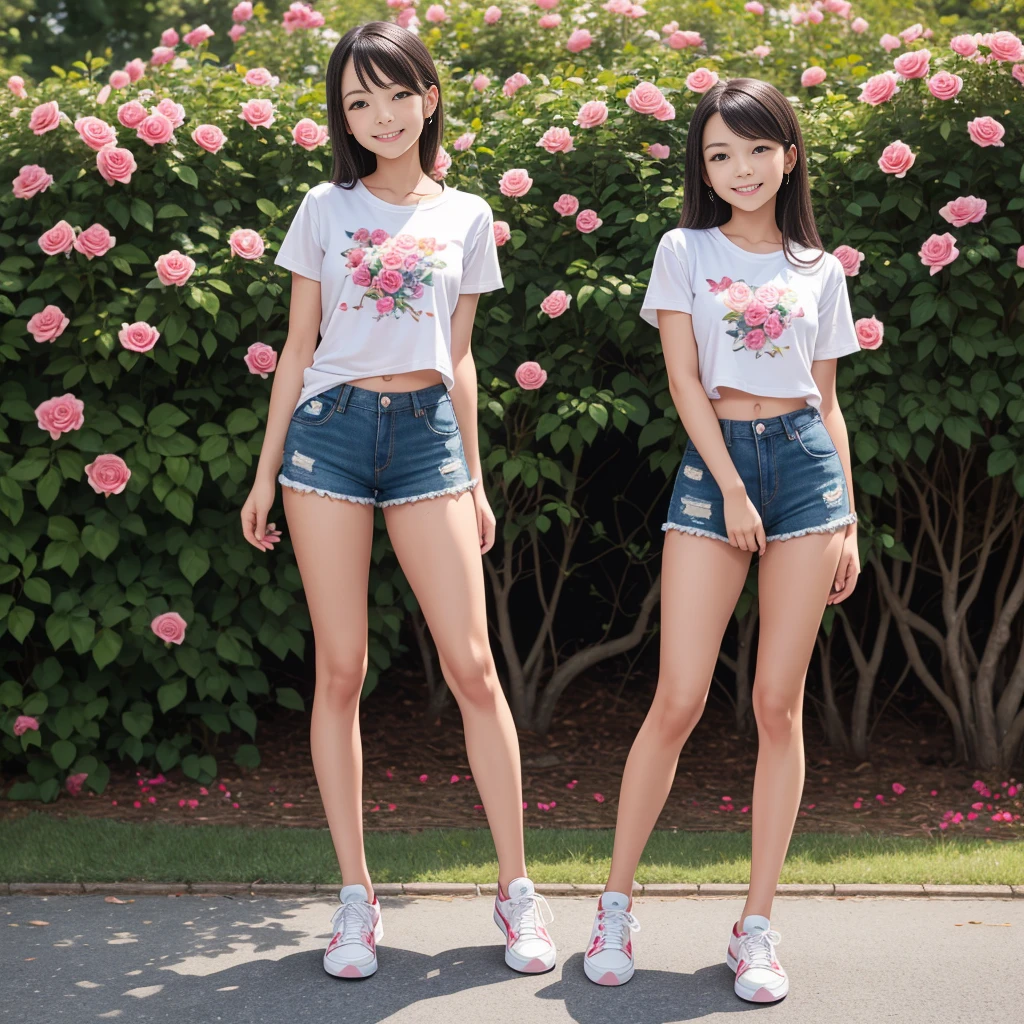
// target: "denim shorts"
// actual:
[[376, 447], [790, 469]]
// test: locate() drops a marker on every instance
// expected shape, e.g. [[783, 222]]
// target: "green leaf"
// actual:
[[180, 504], [186, 174], [244, 717], [142, 213], [288, 697], [241, 421], [100, 540], [20, 621], [37, 589], [63, 753], [267, 207], [170, 210], [247, 756], [106, 648], [48, 487], [194, 562], [171, 694], [139, 721]]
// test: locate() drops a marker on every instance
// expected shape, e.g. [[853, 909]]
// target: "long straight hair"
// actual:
[[753, 110], [401, 56]]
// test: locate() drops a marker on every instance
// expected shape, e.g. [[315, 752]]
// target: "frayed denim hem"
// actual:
[[282, 479], [835, 524], [694, 530], [432, 494]]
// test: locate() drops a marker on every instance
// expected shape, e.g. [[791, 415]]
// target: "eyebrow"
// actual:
[[711, 145], [352, 92]]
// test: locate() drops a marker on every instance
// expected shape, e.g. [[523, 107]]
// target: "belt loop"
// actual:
[[417, 403], [346, 391], [727, 432], [787, 422]]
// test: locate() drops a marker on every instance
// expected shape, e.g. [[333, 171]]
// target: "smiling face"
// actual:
[[732, 162], [387, 120]]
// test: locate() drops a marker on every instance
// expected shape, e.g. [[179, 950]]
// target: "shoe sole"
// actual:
[[762, 994], [352, 972], [599, 977], [535, 965]]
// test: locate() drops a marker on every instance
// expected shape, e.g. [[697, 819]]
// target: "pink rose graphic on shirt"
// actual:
[[759, 315], [393, 271]]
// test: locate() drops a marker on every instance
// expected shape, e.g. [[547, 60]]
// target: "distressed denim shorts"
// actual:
[[791, 471], [376, 447]]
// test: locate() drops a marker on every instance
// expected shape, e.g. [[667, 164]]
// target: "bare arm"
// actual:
[[464, 393], [824, 373]]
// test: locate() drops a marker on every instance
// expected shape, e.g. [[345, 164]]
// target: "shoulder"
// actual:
[[318, 193], [683, 240], [476, 205]]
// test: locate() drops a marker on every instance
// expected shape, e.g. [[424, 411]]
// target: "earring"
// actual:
[[787, 177], [711, 195], [430, 120]]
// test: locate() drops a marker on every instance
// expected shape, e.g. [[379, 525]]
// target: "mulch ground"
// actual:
[[416, 774]]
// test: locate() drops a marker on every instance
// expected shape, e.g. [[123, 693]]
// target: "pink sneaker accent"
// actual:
[[609, 978], [350, 972], [762, 995]]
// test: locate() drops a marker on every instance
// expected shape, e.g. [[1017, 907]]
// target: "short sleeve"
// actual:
[[481, 271], [669, 287], [301, 250], [837, 335]]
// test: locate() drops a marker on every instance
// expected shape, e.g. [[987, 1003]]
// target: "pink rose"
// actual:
[[502, 233], [645, 98], [23, 723], [658, 151], [755, 340], [308, 134], [566, 204], [514, 83], [1018, 73], [236, 32], [174, 112], [59, 238], [47, 324], [156, 129], [965, 45], [59, 415], [95, 132], [73, 783], [198, 36], [681, 40], [530, 375], [879, 88], [246, 243], [1005, 45], [850, 258], [390, 280], [103, 95], [1020, 256], [549, 21], [481, 82], [588, 221], [938, 251], [986, 131], [392, 259], [737, 296], [944, 86], [869, 332], [756, 313], [209, 137], [515, 183], [169, 37], [556, 303], [379, 236], [896, 159], [131, 114], [361, 276], [701, 80], [355, 257], [463, 142], [491, 15], [579, 40], [120, 80], [592, 114], [556, 140], [442, 162], [753, 7], [169, 627], [258, 113], [964, 210], [436, 13], [17, 86], [261, 359], [108, 474], [908, 35], [94, 241], [889, 42], [385, 305], [361, 235], [242, 11], [31, 180], [174, 268], [45, 118], [136, 68], [773, 326], [260, 76], [115, 164], [161, 55], [913, 64], [812, 76], [767, 294], [138, 337]]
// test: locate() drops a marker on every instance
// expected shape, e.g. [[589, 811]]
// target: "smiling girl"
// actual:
[[753, 315], [387, 267]]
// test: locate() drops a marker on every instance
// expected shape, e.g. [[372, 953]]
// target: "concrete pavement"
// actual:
[[258, 959]]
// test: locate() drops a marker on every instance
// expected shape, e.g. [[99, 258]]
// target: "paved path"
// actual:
[[258, 961]]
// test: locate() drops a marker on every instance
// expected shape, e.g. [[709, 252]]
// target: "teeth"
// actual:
[[389, 135], [748, 188]]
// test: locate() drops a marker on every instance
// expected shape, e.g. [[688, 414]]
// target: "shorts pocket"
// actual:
[[815, 440], [440, 418], [316, 410]]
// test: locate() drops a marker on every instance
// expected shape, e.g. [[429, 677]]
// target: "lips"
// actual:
[[388, 136], [749, 192]]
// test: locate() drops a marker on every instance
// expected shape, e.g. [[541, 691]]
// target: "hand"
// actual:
[[485, 521], [743, 523], [254, 516], [848, 571]]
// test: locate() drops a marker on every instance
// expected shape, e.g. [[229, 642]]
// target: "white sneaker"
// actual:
[[357, 928], [760, 978], [609, 957], [522, 916]]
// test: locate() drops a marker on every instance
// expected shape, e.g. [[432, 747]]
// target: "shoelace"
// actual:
[[524, 914], [616, 923], [757, 947], [353, 920]]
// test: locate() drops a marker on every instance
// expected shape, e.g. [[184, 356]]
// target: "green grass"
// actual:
[[39, 848]]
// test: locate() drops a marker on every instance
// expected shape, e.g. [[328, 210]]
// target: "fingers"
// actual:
[[760, 538], [270, 537]]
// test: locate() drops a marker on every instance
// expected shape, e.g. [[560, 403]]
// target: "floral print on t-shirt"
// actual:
[[761, 315], [395, 271]]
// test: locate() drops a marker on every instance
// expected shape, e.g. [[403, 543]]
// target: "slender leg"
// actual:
[[702, 579], [439, 551], [794, 579], [332, 539]]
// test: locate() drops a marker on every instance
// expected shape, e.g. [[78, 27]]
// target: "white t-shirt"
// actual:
[[390, 277], [759, 320]]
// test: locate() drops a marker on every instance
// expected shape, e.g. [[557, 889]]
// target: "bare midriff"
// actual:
[[411, 380], [734, 404]]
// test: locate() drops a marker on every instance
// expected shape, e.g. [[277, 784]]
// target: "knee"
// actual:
[[339, 681], [675, 712], [473, 679], [777, 715]]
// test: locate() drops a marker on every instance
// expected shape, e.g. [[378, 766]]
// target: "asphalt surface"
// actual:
[[256, 959]]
